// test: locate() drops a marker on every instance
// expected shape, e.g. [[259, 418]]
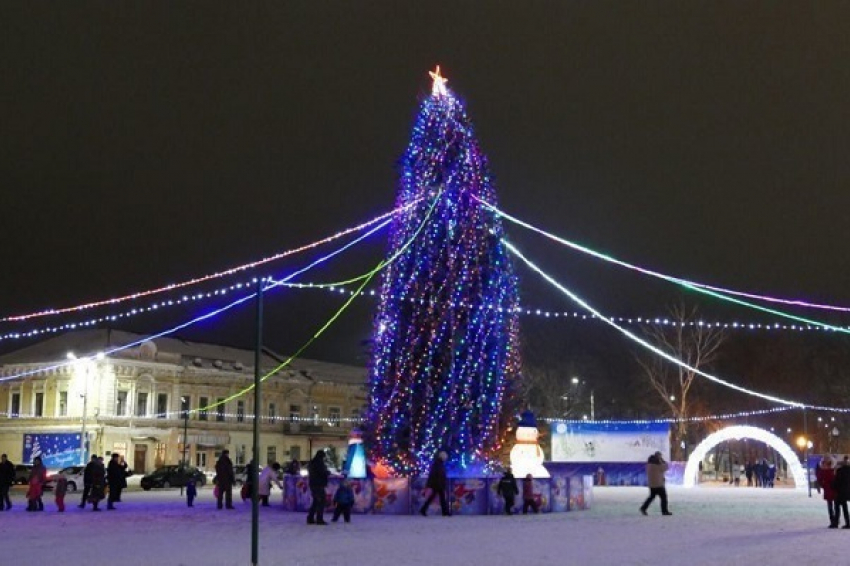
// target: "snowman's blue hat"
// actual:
[[527, 419]]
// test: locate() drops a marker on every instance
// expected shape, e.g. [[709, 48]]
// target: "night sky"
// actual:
[[148, 143]]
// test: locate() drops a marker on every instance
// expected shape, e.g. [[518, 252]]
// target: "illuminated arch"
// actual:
[[738, 432]]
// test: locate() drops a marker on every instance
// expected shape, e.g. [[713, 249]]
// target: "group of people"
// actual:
[[759, 474], [96, 479], [508, 490], [833, 479]]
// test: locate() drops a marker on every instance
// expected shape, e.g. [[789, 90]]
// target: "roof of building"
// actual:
[[89, 342]]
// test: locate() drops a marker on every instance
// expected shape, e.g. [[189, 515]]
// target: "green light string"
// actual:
[[366, 277], [677, 281]]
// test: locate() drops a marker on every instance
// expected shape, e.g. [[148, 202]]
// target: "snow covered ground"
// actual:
[[711, 525]]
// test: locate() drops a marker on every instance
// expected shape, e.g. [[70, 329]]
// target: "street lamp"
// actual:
[[86, 364], [804, 444]]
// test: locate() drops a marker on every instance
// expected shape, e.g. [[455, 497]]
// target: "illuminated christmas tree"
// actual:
[[445, 345]]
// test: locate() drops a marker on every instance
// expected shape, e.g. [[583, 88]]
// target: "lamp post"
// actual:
[[86, 365], [185, 405]]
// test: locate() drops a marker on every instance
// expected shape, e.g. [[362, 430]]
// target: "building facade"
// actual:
[[101, 392]]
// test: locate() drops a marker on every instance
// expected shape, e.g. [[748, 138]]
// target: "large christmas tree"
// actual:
[[445, 347]]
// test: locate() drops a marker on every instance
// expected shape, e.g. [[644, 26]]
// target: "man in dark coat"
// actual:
[[437, 482], [7, 478], [97, 483], [115, 479], [841, 486], [225, 480], [87, 480], [319, 473], [508, 489]]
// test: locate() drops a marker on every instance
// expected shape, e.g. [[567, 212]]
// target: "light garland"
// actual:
[[197, 280], [672, 420], [643, 342], [684, 282]]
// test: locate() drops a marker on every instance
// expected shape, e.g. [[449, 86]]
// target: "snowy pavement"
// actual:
[[710, 525]]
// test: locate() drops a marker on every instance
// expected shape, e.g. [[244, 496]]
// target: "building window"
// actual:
[[355, 415], [202, 404], [294, 412], [272, 412], [240, 411], [121, 404], [295, 452], [271, 455], [219, 410], [334, 414], [38, 410], [142, 404], [315, 413], [161, 405], [16, 405], [63, 403]]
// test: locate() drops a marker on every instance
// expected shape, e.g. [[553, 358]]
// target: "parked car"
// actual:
[[240, 472], [22, 473], [74, 475], [173, 476]]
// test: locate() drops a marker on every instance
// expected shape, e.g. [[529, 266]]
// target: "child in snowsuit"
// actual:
[[508, 490], [344, 499], [528, 499], [59, 492], [191, 492]]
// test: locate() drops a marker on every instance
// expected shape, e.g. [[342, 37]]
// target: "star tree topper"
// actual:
[[439, 86]]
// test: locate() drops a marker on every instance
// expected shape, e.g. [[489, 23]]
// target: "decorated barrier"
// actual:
[[467, 496]]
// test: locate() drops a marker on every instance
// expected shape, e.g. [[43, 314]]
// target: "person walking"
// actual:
[[508, 489], [825, 475], [115, 479], [268, 476], [191, 492], [655, 469], [224, 480], [98, 482], [437, 482], [59, 491], [87, 478], [528, 499], [318, 472], [841, 484], [37, 479], [344, 499], [7, 478]]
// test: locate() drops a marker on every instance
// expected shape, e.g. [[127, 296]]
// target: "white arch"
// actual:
[[738, 432]]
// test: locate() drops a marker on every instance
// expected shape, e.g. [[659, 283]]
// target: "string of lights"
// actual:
[[575, 298], [181, 300], [366, 278], [670, 278], [334, 421], [195, 320], [174, 286]]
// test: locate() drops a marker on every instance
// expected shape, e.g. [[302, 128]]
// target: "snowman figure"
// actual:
[[526, 455]]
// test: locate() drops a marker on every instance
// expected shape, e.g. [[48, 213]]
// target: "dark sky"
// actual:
[[146, 143]]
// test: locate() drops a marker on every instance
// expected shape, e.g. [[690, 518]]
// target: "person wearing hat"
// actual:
[[825, 475], [655, 469], [224, 480], [318, 471], [437, 482]]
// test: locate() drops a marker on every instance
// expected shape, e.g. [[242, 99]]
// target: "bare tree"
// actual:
[[694, 344]]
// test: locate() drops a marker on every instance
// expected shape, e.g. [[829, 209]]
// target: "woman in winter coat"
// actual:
[[825, 475], [268, 476], [841, 485], [37, 479], [98, 483]]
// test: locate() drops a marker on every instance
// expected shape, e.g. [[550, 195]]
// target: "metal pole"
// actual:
[[84, 443], [255, 496], [806, 449], [184, 401], [592, 413]]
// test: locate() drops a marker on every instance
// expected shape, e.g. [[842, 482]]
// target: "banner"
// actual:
[[56, 450], [598, 442]]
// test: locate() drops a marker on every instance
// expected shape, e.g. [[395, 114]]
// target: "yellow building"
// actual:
[[133, 401]]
